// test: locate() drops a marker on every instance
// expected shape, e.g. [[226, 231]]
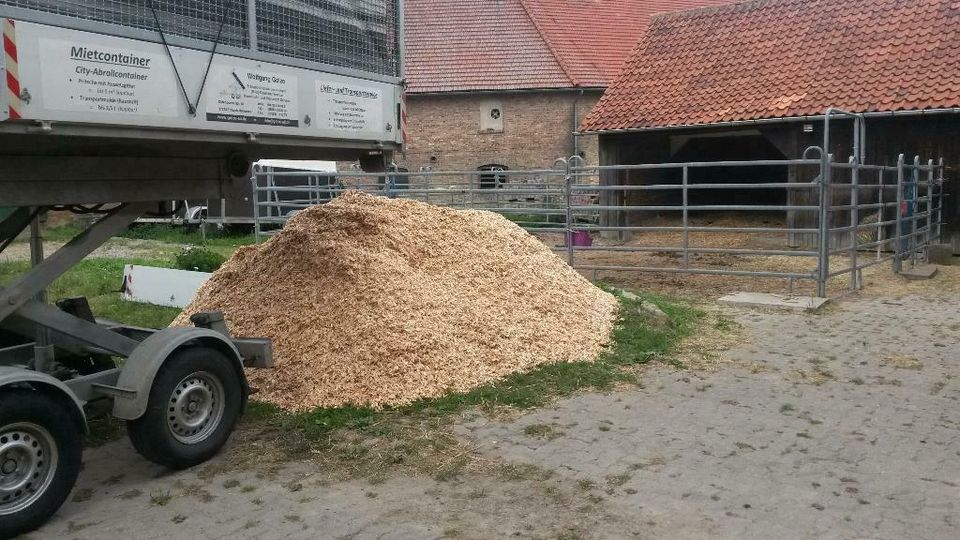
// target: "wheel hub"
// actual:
[[195, 407], [28, 460]]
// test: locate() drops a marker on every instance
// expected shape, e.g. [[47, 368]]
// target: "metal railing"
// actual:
[[809, 219], [534, 199]]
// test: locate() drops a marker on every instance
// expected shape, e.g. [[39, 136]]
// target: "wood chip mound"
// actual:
[[375, 301]]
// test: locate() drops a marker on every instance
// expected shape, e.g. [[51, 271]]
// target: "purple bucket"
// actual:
[[581, 238]]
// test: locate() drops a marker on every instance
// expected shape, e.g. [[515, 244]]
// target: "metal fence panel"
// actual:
[[835, 220]]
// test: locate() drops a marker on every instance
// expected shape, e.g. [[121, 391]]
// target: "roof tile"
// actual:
[[782, 58], [461, 45]]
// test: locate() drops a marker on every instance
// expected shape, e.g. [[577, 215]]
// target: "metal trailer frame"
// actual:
[[131, 165], [55, 335], [22, 313]]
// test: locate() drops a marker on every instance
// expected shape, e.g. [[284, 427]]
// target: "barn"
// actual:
[[753, 81], [505, 83]]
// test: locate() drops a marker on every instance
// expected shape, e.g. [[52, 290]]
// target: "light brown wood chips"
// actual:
[[376, 301]]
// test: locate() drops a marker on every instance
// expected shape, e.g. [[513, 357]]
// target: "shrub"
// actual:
[[198, 260]]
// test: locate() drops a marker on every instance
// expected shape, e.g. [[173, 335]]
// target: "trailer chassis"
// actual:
[[181, 390]]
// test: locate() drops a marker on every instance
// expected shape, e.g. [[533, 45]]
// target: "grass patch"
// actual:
[[99, 280], [160, 498], [537, 221], [224, 241]]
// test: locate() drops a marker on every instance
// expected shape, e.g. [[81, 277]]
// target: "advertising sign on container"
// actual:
[[91, 78], [349, 107], [247, 96]]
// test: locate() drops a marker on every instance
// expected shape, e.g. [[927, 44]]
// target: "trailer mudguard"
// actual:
[[141, 367], [14, 376]]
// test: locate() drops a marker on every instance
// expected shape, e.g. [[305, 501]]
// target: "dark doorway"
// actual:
[[733, 148]]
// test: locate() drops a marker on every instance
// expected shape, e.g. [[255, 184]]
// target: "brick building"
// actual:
[[753, 81], [506, 82]]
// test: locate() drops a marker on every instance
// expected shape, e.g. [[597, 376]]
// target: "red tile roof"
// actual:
[[459, 45], [787, 58]]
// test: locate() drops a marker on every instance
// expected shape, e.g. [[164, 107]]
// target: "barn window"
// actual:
[[492, 176]]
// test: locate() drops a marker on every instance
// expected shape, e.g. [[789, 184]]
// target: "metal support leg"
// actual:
[[73, 252], [42, 349], [14, 224]]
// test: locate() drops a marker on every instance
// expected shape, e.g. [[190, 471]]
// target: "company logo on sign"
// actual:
[[120, 59]]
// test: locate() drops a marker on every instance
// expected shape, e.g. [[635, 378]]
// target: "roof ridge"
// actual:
[[543, 35], [712, 9]]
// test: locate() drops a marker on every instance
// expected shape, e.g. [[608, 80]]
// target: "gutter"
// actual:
[[468, 92], [762, 121]]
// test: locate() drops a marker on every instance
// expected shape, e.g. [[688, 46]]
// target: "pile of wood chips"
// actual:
[[376, 301]]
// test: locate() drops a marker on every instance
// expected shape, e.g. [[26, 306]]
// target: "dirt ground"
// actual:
[[839, 424], [115, 248]]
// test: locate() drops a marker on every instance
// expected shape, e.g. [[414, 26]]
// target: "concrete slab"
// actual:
[[750, 299], [925, 271], [942, 254]]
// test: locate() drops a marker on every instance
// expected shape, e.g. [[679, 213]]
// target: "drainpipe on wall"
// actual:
[[576, 124]]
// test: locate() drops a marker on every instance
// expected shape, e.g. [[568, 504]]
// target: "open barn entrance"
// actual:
[[730, 147]]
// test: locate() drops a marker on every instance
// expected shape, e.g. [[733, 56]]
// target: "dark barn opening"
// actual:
[[730, 148]]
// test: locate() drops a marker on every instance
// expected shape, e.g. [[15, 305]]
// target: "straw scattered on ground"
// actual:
[[375, 301]]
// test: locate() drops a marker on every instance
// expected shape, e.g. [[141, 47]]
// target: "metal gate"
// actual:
[[834, 220]]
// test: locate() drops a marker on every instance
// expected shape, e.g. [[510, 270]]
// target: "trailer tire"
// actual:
[[195, 402], [39, 444]]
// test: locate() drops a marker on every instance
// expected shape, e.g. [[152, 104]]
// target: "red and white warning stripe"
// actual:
[[10, 63]]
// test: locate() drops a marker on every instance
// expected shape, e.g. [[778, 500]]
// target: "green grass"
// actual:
[[100, 280], [219, 240], [224, 241], [537, 221]]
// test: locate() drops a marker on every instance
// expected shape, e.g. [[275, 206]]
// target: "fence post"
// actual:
[[390, 185], [929, 235], [686, 218], [854, 220], [257, 230], [568, 192], [880, 232], [823, 253], [898, 234], [940, 201], [914, 207]]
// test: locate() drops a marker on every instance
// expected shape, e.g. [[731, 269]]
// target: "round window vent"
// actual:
[[495, 113]]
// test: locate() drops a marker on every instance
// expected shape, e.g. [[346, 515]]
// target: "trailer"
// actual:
[[117, 108]]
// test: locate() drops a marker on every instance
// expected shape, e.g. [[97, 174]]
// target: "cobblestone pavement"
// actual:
[[843, 424]]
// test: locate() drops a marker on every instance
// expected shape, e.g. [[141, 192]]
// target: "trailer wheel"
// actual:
[[40, 455], [194, 404]]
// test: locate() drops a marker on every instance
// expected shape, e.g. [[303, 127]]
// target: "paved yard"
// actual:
[[843, 424]]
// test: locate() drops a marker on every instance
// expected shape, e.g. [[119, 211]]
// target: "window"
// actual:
[[492, 175], [491, 116]]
